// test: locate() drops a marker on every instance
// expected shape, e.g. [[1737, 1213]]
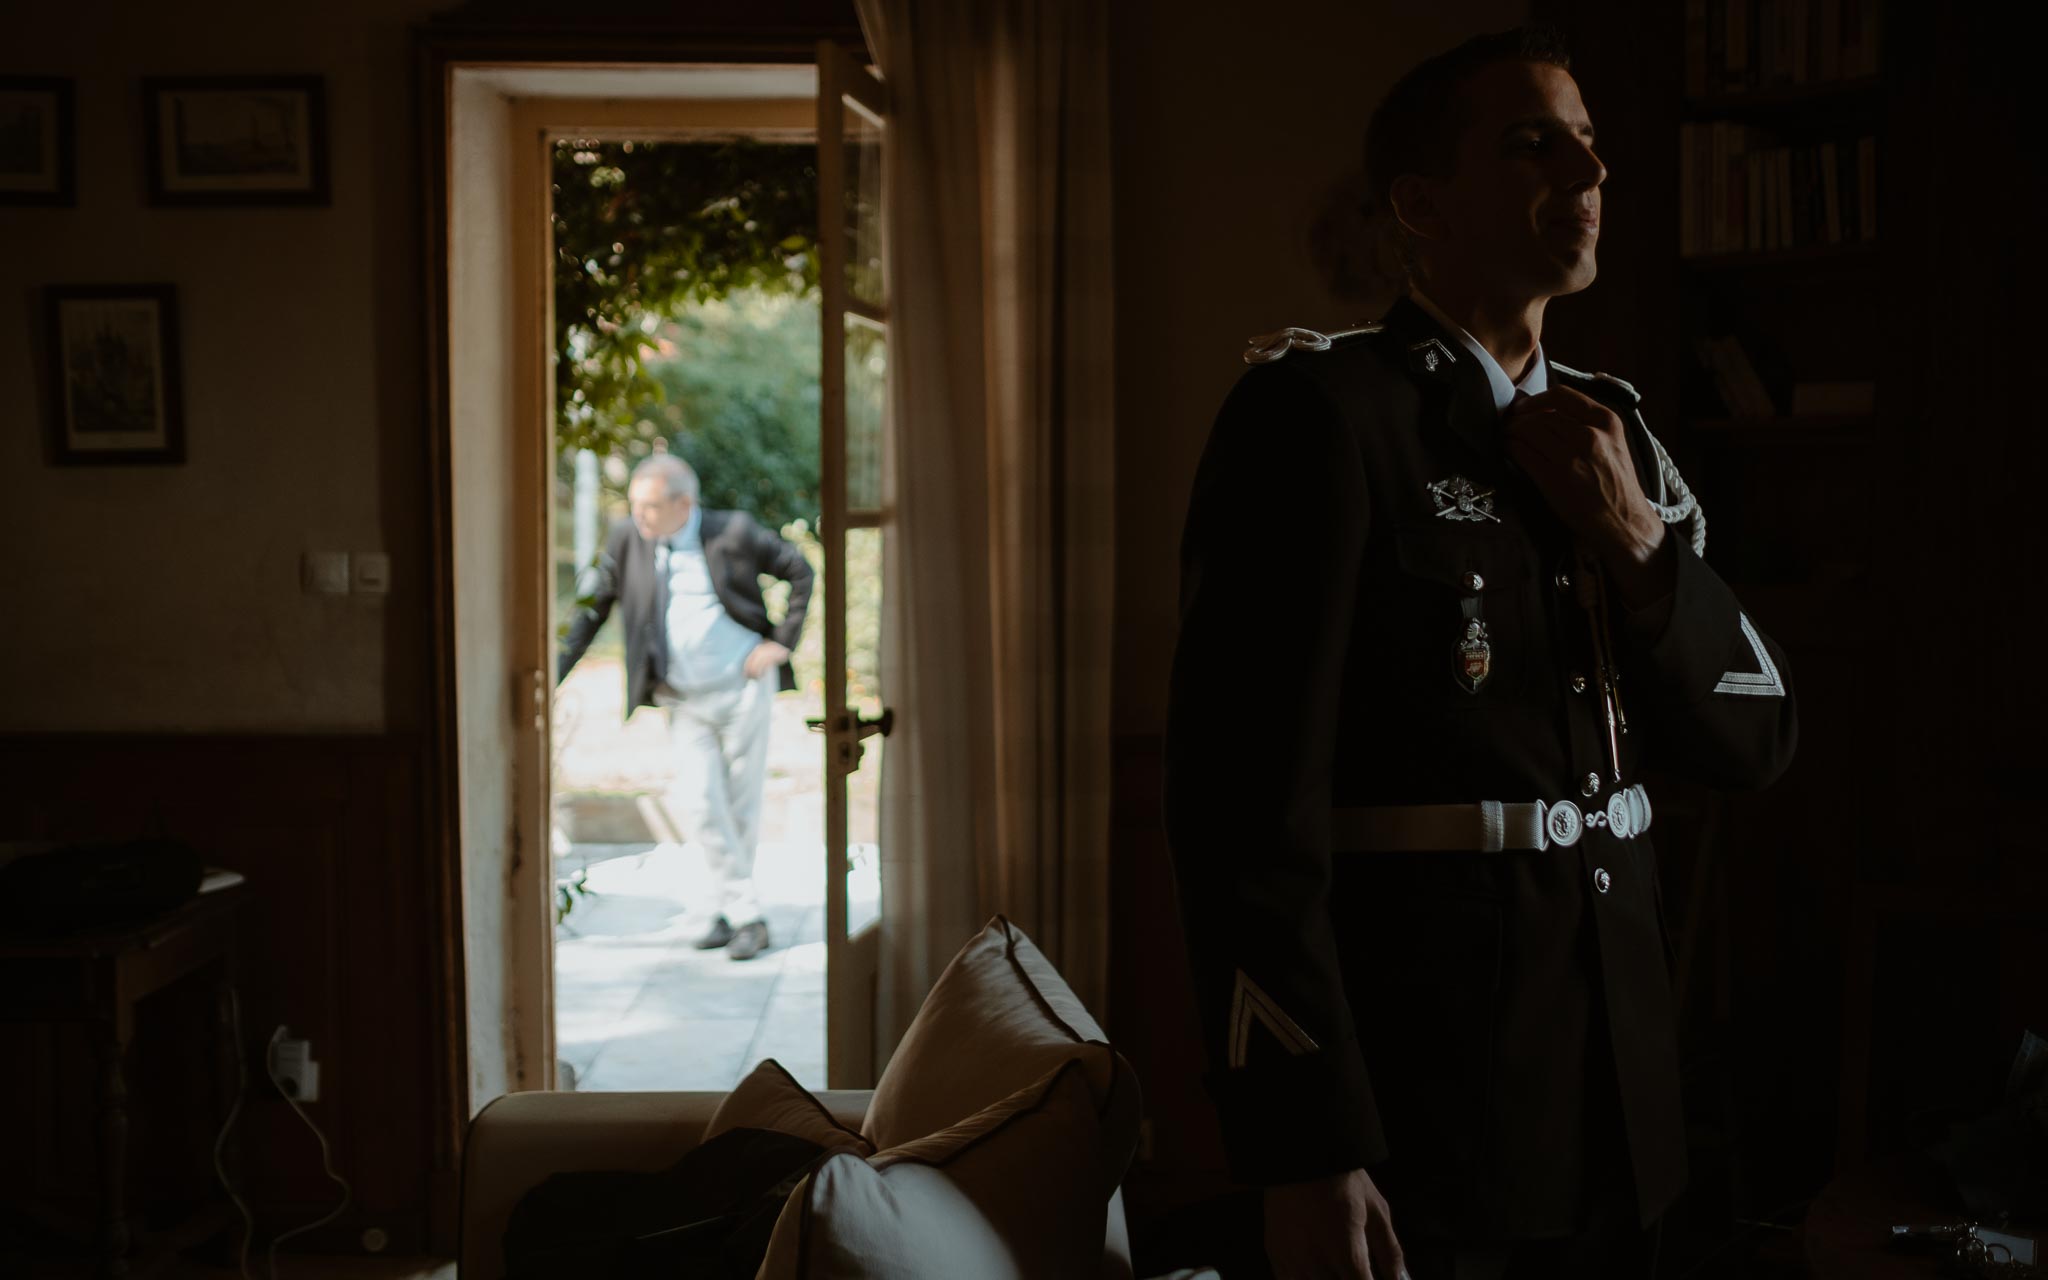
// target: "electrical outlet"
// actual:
[[324, 573], [297, 1074]]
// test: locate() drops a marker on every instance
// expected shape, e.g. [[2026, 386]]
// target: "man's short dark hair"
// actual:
[[1417, 126]]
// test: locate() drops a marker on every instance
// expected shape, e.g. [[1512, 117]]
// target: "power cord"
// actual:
[[326, 1156], [219, 1168]]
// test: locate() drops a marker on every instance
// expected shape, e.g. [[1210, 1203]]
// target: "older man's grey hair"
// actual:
[[681, 479]]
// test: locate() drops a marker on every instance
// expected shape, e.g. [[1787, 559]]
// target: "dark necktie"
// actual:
[[664, 567]]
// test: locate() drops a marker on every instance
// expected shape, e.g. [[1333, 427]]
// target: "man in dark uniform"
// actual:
[[1411, 851]]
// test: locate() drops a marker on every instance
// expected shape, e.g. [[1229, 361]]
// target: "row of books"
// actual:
[[1737, 194], [1738, 46], [1747, 393]]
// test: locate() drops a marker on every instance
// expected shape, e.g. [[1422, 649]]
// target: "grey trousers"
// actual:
[[720, 744]]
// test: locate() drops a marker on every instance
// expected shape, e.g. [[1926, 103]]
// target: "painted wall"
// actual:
[[1229, 131], [167, 598]]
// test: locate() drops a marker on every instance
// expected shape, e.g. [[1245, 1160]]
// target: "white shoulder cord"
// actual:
[[1687, 508]]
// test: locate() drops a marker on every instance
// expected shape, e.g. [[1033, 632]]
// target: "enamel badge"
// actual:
[[1475, 656], [1431, 355], [1457, 498]]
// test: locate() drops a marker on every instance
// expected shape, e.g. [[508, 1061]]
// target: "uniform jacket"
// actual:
[[1449, 1021], [737, 549]]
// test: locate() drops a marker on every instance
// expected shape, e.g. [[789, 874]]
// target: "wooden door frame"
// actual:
[[438, 49]]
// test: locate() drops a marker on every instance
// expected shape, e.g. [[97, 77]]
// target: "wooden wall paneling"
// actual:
[[328, 831]]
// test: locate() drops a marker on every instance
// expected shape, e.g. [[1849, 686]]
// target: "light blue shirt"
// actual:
[[706, 648], [1534, 382]]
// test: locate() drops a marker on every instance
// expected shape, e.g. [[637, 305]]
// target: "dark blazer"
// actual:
[[737, 549], [1469, 1024]]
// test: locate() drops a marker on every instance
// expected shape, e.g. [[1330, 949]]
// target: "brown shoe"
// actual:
[[750, 941]]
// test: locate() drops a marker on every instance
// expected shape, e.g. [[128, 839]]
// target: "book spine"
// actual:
[[1852, 201], [1801, 211], [1784, 176], [1685, 191], [1738, 45], [1753, 395], [1866, 154], [1695, 48], [1753, 204], [1829, 61], [1717, 188], [1802, 29], [1717, 46], [1831, 192], [1717, 371]]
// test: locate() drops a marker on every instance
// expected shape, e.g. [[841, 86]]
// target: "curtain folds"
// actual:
[[997, 626]]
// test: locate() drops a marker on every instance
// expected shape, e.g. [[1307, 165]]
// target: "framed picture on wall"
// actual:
[[236, 140], [115, 396], [38, 147]]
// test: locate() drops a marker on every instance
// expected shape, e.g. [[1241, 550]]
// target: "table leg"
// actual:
[[113, 1131]]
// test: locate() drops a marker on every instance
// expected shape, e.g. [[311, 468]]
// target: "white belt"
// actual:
[[1489, 826]]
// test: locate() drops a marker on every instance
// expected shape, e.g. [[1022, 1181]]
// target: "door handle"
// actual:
[[859, 725]]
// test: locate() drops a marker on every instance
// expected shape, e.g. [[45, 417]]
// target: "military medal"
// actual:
[[1457, 498], [1475, 656]]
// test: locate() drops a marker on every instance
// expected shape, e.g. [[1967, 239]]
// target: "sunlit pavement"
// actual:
[[637, 1007]]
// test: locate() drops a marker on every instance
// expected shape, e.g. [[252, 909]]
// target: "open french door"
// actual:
[[853, 425]]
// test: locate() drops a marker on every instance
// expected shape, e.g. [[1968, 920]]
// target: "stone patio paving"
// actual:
[[636, 1005]]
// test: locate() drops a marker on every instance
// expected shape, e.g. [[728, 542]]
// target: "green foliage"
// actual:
[[643, 230], [740, 403]]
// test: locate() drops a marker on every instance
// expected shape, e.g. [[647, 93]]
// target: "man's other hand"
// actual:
[[766, 656], [1332, 1229]]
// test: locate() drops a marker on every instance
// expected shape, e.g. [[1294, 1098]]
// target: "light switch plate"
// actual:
[[324, 573], [373, 573]]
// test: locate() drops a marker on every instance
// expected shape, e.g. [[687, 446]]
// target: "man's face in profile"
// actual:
[[1523, 207]]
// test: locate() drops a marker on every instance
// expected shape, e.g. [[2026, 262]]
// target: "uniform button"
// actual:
[[1578, 683], [1601, 879], [1564, 582], [1473, 582], [1591, 786]]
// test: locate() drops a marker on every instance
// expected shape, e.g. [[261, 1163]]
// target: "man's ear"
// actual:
[[1414, 206]]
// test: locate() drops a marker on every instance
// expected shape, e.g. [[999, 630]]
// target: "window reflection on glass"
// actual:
[[867, 381], [864, 695], [863, 206]]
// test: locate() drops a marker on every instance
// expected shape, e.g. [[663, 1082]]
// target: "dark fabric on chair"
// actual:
[[710, 1214]]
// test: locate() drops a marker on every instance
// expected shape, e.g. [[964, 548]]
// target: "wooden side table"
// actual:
[[98, 977]]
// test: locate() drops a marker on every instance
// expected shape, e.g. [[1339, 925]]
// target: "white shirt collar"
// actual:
[[1535, 382]]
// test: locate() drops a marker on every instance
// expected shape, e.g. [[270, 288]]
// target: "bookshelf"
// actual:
[[1892, 550], [1777, 125], [1749, 202]]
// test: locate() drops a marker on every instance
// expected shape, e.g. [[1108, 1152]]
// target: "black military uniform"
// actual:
[[1375, 989]]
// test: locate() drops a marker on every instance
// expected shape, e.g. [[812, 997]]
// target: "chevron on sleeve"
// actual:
[[1250, 1004], [1761, 683]]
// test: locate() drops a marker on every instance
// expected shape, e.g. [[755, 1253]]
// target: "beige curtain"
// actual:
[[996, 634]]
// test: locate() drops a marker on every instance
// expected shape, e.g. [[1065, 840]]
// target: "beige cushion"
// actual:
[[991, 1198], [770, 1098], [999, 1018]]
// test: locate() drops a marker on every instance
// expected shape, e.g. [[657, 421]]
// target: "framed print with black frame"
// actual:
[[115, 393], [38, 145], [219, 140]]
